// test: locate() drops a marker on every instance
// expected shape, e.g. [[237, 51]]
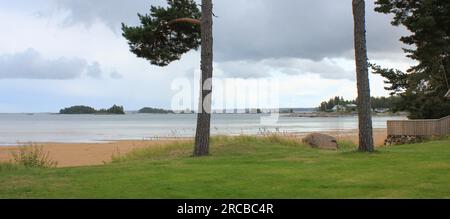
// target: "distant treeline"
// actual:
[[389, 103], [89, 110], [155, 111]]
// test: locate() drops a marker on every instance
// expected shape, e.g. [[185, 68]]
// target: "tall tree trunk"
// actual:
[[204, 114], [362, 75]]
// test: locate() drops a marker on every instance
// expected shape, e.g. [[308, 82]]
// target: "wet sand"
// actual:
[[87, 154]]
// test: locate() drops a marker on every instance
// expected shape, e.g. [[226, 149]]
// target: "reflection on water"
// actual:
[[92, 128]]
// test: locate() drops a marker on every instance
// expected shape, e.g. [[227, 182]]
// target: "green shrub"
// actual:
[[33, 156], [346, 146]]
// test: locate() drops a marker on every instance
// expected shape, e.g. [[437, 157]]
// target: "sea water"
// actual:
[[43, 127]]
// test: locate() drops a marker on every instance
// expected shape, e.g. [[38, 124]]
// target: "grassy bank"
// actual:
[[246, 167]]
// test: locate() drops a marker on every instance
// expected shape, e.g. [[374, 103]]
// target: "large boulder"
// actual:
[[321, 141]]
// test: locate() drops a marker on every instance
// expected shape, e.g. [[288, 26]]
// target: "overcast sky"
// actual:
[[58, 53]]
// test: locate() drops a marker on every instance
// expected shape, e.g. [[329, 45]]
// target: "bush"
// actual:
[[33, 156]]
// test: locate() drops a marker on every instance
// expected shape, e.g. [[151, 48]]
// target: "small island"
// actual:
[[89, 110], [150, 110]]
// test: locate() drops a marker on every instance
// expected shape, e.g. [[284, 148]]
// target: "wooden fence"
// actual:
[[422, 127]]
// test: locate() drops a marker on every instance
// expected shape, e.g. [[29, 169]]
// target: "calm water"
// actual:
[[92, 128]]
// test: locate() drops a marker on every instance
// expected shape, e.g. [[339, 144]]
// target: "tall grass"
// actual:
[[8, 167], [156, 152], [219, 145], [274, 139], [347, 146], [33, 156]]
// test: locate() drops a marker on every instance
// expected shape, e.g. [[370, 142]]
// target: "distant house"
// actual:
[[339, 108], [351, 107], [448, 94], [342, 108], [381, 110]]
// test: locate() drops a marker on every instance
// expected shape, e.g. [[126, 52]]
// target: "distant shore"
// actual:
[[88, 154], [336, 114]]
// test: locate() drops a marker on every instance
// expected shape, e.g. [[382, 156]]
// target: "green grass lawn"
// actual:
[[246, 167]]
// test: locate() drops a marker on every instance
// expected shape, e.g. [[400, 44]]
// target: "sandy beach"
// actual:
[[87, 154]]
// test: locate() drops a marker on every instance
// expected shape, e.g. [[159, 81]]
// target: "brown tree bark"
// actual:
[[362, 78], [185, 20], [202, 135]]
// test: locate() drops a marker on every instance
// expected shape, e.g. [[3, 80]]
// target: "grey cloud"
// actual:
[[244, 69], [261, 29], [115, 75], [326, 68], [111, 12], [94, 70], [256, 30], [30, 64]]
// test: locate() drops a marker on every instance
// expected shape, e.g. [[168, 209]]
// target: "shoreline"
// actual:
[[338, 114], [90, 154], [182, 138]]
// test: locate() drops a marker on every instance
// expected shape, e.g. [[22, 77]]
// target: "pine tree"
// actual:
[[165, 35], [422, 87], [204, 115], [362, 77]]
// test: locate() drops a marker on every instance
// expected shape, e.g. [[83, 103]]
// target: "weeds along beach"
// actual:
[[88, 154]]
